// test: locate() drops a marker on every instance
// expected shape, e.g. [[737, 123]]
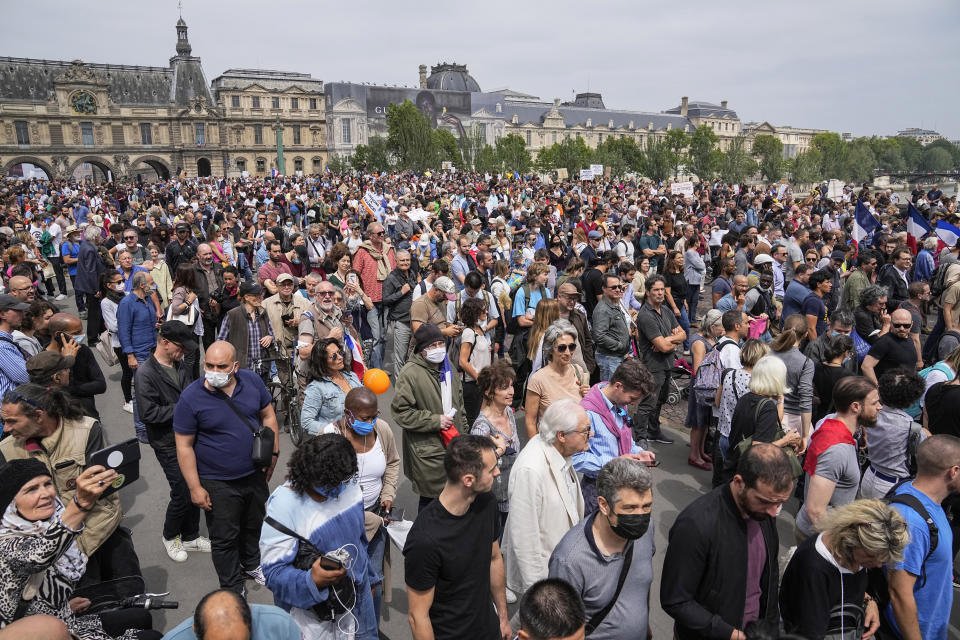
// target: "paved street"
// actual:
[[676, 485]]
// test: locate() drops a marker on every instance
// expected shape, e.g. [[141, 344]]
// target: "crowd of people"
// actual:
[[533, 330]]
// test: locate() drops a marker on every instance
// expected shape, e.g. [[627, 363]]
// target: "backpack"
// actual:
[[26, 356], [513, 327], [938, 280], [710, 373], [877, 585], [914, 410]]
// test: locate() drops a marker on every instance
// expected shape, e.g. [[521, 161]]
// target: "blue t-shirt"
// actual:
[[935, 599], [793, 299], [520, 304], [223, 443], [72, 250], [268, 622], [813, 306]]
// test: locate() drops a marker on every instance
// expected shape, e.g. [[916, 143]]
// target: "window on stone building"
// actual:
[[553, 137], [313, 103], [483, 130], [599, 137], [86, 133], [298, 164], [294, 103], [23, 132], [261, 165], [345, 131], [529, 137], [241, 165], [258, 134], [235, 102], [200, 134], [146, 134], [317, 165], [256, 102], [275, 102], [296, 133]]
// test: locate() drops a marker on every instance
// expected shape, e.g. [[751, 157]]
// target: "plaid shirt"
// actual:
[[253, 335]]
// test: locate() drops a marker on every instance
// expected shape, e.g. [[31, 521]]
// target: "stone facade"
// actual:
[[923, 136], [795, 140]]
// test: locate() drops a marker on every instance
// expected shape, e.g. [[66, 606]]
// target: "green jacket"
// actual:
[[852, 288], [417, 409]]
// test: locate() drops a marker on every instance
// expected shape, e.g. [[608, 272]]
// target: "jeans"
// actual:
[[57, 263], [375, 319], [138, 426], [471, 400], [126, 378], [647, 422], [233, 522], [684, 324], [375, 549], [693, 301], [930, 346], [182, 517], [607, 364], [401, 343], [80, 298]]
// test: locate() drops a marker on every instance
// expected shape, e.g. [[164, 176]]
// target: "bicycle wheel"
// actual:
[[292, 422]]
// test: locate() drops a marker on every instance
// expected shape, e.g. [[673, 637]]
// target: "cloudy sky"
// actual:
[[845, 65]]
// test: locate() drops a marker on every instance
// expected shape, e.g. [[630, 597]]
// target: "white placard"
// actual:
[[597, 169], [586, 174], [682, 188]]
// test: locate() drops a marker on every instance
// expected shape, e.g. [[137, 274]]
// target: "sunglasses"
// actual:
[[902, 326], [563, 348], [380, 233]]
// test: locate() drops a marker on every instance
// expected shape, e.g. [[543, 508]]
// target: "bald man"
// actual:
[[86, 377], [212, 423], [224, 615], [893, 350], [22, 289]]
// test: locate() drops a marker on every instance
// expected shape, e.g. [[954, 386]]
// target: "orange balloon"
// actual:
[[376, 380]]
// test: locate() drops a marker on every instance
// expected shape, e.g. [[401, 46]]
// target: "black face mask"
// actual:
[[631, 526]]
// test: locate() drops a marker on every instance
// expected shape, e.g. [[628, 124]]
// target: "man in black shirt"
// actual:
[[454, 570], [593, 281], [893, 350]]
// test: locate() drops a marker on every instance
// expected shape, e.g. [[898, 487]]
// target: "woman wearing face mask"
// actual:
[[38, 550], [621, 526], [328, 382], [378, 463], [322, 502], [299, 260], [111, 293], [823, 593]]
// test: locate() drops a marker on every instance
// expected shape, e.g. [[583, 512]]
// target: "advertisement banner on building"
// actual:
[[451, 108]]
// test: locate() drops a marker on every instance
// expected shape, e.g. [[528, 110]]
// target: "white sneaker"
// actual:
[[199, 544], [257, 576], [128, 406], [62, 296], [175, 549], [511, 597]]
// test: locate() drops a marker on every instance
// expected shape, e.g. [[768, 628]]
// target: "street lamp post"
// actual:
[[278, 127]]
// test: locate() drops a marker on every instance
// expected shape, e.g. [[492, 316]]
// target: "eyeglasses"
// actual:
[[902, 326], [130, 237], [563, 348], [811, 259], [380, 233], [616, 287], [325, 293], [584, 432], [335, 355]]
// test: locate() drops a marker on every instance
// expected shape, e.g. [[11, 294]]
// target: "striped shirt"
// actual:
[[13, 366]]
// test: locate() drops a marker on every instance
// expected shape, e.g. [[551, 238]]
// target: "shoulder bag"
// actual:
[[599, 616], [263, 437]]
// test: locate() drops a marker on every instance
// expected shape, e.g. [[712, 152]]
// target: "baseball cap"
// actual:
[[285, 277], [445, 284], [594, 234], [8, 303], [182, 226], [46, 363], [178, 333], [838, 255], [250, 289], [763, 258]]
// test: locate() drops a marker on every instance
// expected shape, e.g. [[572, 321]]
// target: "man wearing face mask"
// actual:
[[137, 331], [86, 378], [214, 447], [427, 404], [608, 556], [721, 568], [159, 383]]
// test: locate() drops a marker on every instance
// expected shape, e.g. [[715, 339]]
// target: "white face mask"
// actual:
[[435, 355], [217, 379]]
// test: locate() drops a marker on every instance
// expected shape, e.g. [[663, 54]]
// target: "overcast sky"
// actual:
[[845, 65]]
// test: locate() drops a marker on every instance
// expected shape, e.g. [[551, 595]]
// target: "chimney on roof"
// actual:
[[499, 108], [684, 101], [723, 104], [669, 126], [423, 76]]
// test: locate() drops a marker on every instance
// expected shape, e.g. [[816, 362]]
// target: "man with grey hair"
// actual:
[[545, 498], [137, 332], [316, 249], [608, 557], [89, 267], [397, 297]]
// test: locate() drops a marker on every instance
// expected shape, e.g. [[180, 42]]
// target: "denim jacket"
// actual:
[[323, 402]]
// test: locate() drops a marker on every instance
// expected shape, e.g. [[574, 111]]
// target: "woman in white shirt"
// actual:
[[734, 384], [111, 293], [475, 353]]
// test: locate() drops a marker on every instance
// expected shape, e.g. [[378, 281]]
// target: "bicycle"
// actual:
[[285, 397]]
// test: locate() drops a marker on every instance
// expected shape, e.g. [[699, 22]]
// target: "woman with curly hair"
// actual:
[[890, 438], [496, 420], [341, 261], [321, 502], [328, 382]]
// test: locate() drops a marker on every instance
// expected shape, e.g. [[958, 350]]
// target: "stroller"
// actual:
[[680, 380]]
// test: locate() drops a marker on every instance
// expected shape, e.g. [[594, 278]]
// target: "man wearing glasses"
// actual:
[[893, 350], [611, 327], [131, 244], [375, 259], [895, 277]]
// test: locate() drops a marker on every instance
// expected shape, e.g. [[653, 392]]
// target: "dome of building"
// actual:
[[452, 77]]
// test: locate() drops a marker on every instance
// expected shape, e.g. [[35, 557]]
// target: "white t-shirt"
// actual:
[[57, 238], [625, 250]]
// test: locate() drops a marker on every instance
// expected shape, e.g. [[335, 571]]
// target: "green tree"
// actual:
[[703, 160], [338, 163], [410, 138], [859, 162], [621, 155], [936, 159], [807, 167], [470, 147], [737, 165], [373, 157], [658, 159], [912, 152], [512, 154], [769, 150], [446, 147], [677, 142], [949, 147], [571, 154], [892, 159], [487, 160], [831, 148]]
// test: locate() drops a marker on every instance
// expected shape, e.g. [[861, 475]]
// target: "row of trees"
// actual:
[[411, 143]]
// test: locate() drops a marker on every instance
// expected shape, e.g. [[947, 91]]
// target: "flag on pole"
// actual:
[[351, 344], [917, 228], [864, 224], [948, 234], [274, 173]]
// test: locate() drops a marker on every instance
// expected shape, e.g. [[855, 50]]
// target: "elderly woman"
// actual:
[[544, 494], [871, 319], [40, 562], [328, 383], [321, 501], [496, 420], [823, 593], [560, 378]]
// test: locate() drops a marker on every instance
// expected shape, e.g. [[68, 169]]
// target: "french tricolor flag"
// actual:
[[358, 366], [917, 228], [274, 173], [947, 233]]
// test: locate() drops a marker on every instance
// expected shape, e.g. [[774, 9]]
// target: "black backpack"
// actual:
[[938, 280], [513, 327]]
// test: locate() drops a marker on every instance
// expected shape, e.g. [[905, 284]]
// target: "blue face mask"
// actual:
[[363, 428], [331, 494]]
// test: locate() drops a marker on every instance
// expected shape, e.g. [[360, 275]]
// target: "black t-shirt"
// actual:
[[824, 379], [451, 554], [747, 423], [650, 325], [592, 287], [892, 353], [678, 286], [941, 401]]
